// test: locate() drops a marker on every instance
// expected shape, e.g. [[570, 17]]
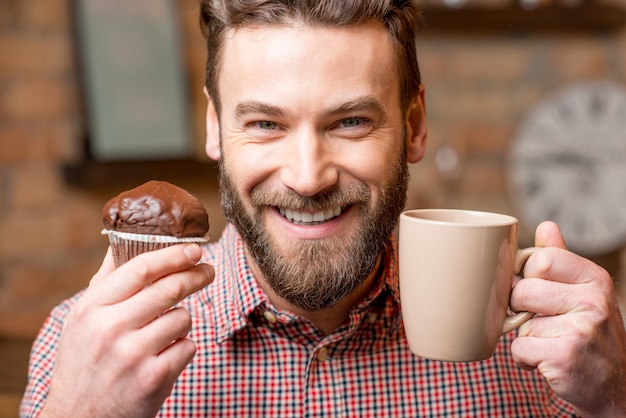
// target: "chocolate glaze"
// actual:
[[156, 208]]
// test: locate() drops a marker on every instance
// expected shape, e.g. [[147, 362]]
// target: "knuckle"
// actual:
[[597, 301], [138, 268], [604, 281], [154, 377], [181, 321], [126, 353], [521, 294], [208, 273], [185, 320], [177, 256], [80, 312], [111, 329], [540, 263], [172, 289], [182, 316]]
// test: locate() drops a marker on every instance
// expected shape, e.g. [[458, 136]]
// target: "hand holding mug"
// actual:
[[577, 341]]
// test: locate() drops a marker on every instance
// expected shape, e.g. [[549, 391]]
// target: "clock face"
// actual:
[[568, 165]]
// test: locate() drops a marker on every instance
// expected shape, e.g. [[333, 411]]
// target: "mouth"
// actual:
[[310, 218]]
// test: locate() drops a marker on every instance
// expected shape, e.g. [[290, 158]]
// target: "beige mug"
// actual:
[[456, 274]]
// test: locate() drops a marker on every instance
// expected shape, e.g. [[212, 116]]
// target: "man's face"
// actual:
[[313, 154]]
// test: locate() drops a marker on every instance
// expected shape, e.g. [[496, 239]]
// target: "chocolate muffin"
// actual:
[[153, 216]]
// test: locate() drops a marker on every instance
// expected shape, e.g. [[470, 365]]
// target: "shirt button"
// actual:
[[371, 318], [270, 317], [323, 355]]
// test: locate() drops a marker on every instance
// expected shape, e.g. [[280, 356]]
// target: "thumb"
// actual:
[[548, 234], [108, 265]]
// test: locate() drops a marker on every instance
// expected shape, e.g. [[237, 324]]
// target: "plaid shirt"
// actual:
[[254, 360]]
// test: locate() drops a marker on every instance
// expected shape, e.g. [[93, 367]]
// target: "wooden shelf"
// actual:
[[587, 17], [101, 174]]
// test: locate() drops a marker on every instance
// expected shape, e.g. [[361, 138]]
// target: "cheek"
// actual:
[[371, 165], [247, 166]]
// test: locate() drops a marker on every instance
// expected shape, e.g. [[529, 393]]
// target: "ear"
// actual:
[[212, 145], [416, 128]]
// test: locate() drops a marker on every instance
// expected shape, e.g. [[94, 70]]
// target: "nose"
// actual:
[[309, 164]]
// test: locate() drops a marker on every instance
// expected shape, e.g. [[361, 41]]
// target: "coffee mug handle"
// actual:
[[514, 321]]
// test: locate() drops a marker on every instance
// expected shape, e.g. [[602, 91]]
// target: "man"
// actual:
[[315, 109]]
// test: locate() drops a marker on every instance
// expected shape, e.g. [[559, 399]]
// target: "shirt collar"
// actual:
[[235, 293]]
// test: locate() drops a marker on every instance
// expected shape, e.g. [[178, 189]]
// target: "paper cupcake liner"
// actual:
[[125, 245]]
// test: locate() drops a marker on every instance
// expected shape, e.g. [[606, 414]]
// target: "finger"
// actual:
[[548, 234], [163, 331], [153, 300], [161, 371], [545, 297], [524, 351], [177, 356], [108, 265], [560, 265], [555, 326], [145, 269], [533, 352]]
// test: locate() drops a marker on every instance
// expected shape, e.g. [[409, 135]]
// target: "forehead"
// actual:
[[320, 63]]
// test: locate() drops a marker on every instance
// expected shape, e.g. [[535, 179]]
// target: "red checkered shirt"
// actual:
[[256, 361]]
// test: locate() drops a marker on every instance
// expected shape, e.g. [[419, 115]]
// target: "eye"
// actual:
[[353, 127], [352, 122], [266, 125], [264, 129]]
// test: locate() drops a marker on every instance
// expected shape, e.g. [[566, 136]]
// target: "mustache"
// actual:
[[331, 198]]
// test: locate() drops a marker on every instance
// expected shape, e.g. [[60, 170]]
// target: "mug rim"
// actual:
[[495, 218]]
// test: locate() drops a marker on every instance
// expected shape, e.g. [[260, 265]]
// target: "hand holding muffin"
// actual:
[[124, 343]]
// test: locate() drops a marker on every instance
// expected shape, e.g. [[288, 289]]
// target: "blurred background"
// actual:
[[74, 71]]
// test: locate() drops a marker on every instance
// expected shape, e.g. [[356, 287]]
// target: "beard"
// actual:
[[317, 274]]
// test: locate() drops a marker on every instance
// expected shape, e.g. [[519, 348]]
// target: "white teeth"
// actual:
[[307, 217], [294, 216]]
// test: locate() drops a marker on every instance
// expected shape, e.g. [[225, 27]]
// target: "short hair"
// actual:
[[401, 18]]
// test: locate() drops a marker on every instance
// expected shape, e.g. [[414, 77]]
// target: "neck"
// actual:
[[326, 320]]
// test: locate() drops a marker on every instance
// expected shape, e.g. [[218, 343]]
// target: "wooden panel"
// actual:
[[90, 173], [14, 365], [587, 17], [9, 405]]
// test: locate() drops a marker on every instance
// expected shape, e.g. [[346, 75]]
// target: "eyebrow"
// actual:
[[363, 103], [253, 106]]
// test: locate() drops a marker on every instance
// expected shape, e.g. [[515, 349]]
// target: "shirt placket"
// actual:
[[322, 393]]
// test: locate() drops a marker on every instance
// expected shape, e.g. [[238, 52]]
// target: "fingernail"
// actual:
[[208, 269], [193, 252]]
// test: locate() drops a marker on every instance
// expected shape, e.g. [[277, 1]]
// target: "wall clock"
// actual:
[[568, 164]]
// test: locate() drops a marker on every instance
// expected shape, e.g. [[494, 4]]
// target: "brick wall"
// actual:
[[50, 242], [478, 88]]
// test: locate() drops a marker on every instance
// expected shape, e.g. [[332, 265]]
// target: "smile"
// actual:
[[308, 218]]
